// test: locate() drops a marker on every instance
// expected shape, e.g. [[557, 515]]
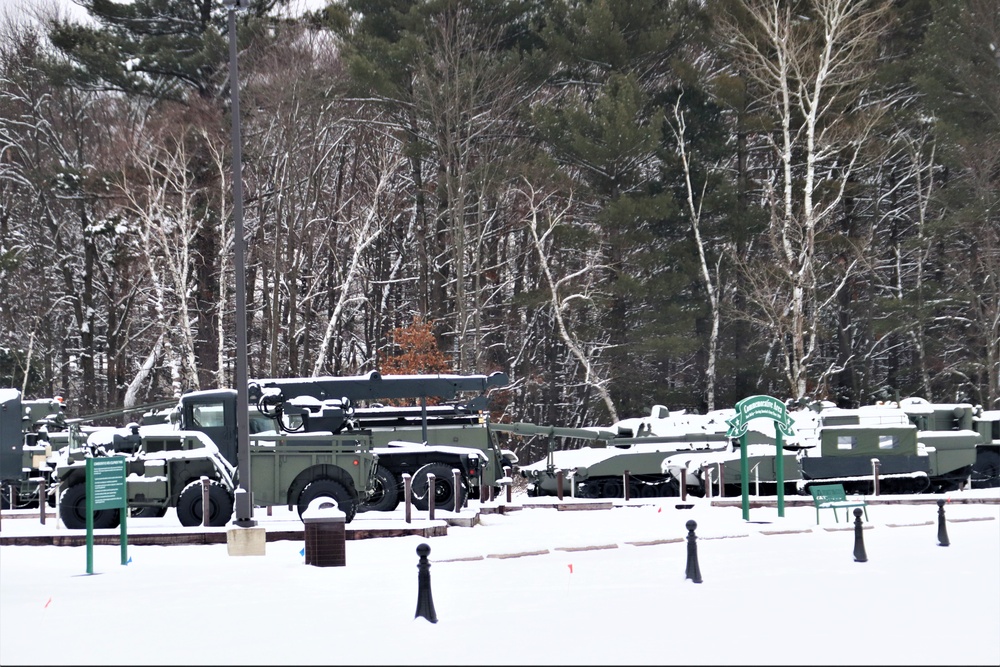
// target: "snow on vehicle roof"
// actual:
[[105, 437], [397, 446]]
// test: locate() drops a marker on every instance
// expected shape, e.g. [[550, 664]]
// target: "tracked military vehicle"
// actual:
[[637, 445], [961, 417], [838, 445]]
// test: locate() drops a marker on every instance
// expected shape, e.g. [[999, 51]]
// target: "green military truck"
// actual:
[[30, 432], [167, 468]]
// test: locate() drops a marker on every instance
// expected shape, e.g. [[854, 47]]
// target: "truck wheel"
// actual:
[[220, 504], [328, 488], [386, 495], [147, 512], [444, 488], [986, 472], [73, 510]]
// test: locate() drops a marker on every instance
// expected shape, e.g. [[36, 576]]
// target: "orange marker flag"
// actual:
[[48, 603], [571, 568]]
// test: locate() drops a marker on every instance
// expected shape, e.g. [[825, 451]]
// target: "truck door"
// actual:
[[214, 416]]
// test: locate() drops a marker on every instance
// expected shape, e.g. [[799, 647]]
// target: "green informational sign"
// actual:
[[106, 491], [108, 482], [761, 407]]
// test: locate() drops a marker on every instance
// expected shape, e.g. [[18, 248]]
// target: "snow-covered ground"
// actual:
[[532, 586]]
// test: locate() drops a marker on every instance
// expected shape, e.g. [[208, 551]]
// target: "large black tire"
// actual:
[[444, 488], [589, 489], [189, 505], [147, 512], [73, 510], [386, 495], [328, 488], [986, 471]]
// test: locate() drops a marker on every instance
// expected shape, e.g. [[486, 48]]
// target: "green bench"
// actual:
[[832, 496]]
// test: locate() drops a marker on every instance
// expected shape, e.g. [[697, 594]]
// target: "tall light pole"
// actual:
[[244, 504]]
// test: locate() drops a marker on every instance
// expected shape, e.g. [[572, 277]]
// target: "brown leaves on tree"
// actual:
[[415, 353]]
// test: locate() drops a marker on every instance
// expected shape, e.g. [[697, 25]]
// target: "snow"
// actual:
[[534, 585]]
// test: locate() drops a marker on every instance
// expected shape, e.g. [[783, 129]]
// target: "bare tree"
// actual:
[[710, 275], [812, 73], [468, 91], [163, 202], [357, 234], [573, 286]]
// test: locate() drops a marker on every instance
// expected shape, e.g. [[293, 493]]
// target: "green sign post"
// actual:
[[756, 407], [106, 490]]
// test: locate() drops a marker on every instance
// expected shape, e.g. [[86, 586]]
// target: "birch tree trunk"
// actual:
[[810, 65]]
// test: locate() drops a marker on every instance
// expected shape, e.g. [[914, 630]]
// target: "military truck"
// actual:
[[453, 436], [30, 432], [165, 468]]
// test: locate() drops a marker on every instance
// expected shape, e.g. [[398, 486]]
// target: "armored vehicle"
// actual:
[[637, 445], [838, 445], [955, 417]]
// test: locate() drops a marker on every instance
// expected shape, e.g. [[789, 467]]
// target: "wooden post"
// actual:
[[627, 493], [456, 480], [875, 467], [407, 494], [684, 486], [41, 500], [205, 506], [430, 496], [507, 473], [559, 484]]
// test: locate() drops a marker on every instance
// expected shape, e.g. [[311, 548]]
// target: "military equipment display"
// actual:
[[167, 468], [30, 432], [952, 417], [300, 436], [849, 446], [442, 437], [637, 445]]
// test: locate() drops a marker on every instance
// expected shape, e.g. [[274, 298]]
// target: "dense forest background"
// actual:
[[620, 203]]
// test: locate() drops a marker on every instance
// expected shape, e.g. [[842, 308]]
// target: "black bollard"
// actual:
[[425, 604], [693, 571], [942, 531], [859, 538]]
